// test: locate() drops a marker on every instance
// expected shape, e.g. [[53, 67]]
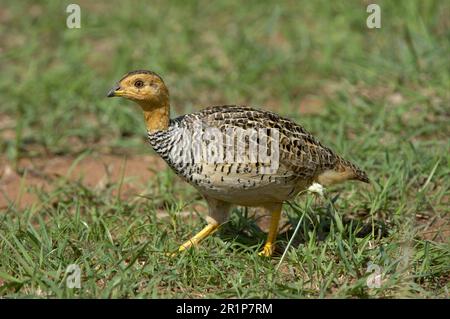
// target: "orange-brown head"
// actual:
[[148, 90]]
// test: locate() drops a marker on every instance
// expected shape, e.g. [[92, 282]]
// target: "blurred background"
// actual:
[[316, 58], [380, 97]]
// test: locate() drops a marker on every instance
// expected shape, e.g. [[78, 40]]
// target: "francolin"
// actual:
[[234, 155]]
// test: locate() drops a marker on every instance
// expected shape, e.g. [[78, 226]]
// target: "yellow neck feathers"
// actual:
[[156, 114]]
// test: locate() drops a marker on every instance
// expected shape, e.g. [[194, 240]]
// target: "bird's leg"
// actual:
[[218, 214], [205, 232], [269, 246]]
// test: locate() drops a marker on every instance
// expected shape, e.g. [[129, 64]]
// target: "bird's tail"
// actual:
[[342, 171], [355, 173]]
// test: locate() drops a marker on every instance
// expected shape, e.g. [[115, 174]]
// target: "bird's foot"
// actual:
[[267, 250], [194, 241], [183, 247]]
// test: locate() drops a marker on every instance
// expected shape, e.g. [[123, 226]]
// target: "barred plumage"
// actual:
[[302, 157]]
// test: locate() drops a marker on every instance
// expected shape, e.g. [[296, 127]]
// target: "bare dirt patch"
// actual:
[[434, 229], [92, 171], [311, 105]]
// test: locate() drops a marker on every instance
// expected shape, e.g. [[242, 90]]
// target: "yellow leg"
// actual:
[[205, 232], [269, 246]]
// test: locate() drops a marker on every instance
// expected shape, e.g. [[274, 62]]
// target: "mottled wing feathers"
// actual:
[[301, 154]]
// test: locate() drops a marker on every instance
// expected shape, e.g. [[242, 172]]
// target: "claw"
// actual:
[[180, 249], [267, 250]]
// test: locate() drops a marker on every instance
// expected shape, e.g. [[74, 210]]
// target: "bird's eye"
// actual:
[[139, 83]]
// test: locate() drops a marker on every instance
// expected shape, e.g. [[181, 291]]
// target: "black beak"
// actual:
[[112, 92]]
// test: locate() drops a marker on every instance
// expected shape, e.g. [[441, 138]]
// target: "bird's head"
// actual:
[[148, 90], [143, 87]]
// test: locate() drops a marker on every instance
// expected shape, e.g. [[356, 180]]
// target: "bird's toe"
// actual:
[[267, 250]]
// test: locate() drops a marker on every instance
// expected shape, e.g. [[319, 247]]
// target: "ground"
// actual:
[[79, 185]]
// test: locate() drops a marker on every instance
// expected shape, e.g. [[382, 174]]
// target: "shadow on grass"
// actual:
[[319, 222]]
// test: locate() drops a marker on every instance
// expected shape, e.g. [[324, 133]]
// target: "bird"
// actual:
[[234, 155]]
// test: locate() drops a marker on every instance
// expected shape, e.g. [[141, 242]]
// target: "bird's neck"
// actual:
[[156, 114]]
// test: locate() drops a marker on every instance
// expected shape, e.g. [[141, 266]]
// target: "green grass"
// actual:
[[383, 101]]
